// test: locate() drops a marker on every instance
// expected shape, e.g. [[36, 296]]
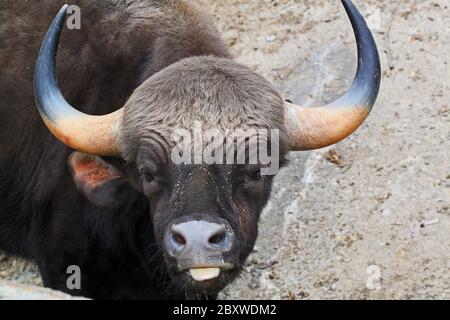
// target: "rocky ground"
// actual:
[[368, 218]]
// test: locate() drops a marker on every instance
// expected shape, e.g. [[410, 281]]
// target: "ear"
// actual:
[[99, 181]]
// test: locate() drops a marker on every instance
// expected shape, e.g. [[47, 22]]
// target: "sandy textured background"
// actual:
[[368, 218]]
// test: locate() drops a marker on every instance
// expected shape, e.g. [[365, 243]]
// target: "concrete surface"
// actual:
[[15, 291], [368, 218]]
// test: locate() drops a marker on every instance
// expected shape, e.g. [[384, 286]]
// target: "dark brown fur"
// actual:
[[165, 62]]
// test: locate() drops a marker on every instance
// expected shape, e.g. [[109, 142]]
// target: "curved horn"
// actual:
[[313, 128], [96, 135]]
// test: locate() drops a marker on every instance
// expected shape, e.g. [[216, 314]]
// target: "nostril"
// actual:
[[218, 238], [178, 238]]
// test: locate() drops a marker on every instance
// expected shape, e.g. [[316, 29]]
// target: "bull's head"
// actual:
[[204, 215]]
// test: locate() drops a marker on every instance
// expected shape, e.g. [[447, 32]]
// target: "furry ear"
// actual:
[[99, 181]]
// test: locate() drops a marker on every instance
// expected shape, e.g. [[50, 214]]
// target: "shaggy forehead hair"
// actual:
[[219, 93]]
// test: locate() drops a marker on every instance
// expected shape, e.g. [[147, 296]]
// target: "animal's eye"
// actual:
[[256, 175], [148, 176]]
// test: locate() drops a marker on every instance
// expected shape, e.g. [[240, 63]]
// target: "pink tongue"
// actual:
[[204, 274]]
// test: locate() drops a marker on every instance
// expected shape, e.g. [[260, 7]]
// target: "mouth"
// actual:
[[204, 278], [207, 272], [204, 274]]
